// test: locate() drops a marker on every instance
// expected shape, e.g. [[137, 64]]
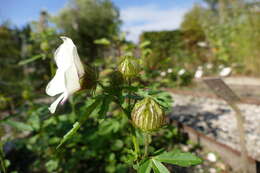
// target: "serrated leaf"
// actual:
[[90, 109], [145, 167], [131, 96], [130, 88], [159, 167], [19, 125], [108, 126], [104, 106], [68, 135], [178, 158]]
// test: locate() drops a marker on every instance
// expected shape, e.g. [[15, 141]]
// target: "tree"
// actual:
[[212, 4], [192, 23], [11, 51], [87, 20]]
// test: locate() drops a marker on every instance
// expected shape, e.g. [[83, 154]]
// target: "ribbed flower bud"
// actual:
[[129, 67], [147, 115]]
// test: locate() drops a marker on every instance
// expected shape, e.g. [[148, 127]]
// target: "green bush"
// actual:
[[163, 45]]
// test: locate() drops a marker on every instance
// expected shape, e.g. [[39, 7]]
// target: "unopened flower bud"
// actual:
[[148, 115], [129, 67]]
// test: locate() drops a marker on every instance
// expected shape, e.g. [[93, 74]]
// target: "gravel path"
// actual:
[[215, 118]]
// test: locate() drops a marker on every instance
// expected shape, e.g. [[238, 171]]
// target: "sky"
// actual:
[[137, 15]]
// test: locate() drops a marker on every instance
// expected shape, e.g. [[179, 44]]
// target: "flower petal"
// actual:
[[54, 105], [72, 80], [78, 63], [57, 84], [64, 55]]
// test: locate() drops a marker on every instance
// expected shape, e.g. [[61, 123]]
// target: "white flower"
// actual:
[[181, 72], [209, 66], [202, 44], [70, 70], [212, 157], [225, 72], [169, 70], [199, 72], [163, 73], [221, 66]]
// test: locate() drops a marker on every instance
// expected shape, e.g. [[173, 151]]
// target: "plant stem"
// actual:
[[129, 92], [146, 144], [73, 106], [3, 166]]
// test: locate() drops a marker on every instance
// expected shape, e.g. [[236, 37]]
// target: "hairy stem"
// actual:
[[146, 144]]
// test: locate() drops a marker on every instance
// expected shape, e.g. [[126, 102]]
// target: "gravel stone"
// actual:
[[215, 118]]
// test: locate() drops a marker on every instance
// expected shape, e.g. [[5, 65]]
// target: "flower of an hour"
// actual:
[[181, 72], [225, 71], [67, 78], [169, 70], [163, 73], [199, 72]]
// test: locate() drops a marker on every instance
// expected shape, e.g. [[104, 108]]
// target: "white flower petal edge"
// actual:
[[70, 70]]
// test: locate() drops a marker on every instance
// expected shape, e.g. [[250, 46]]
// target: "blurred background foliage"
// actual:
[[222, 33], [87, 20]]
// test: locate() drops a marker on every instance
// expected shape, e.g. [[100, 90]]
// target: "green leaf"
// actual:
[[68, 135], [108, 126], [145, 44], [117, 145], [19, 125], [131, 96], [102, 41], [159, 167], [178, 158], [130, 88], [157, 152], [52, 165], [76, 125], [90, 109], [34, 58], [105, 106], [145, 167], [34, 121]]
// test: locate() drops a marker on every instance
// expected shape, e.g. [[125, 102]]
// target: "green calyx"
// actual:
[[90, 78], [147, 115]]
